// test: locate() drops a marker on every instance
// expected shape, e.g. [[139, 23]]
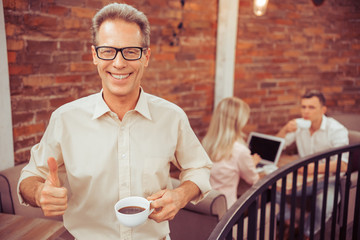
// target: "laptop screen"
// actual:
[[268, 147]]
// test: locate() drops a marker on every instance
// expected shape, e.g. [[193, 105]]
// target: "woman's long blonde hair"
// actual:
[[227, 123]]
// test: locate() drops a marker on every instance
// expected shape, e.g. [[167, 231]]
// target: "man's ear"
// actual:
[[324, 109], [93, 53], [147, 57]]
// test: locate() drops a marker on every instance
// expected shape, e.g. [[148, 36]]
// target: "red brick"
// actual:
[[287, 98], [71, 46], [285, 21], [15, 4], [346, 102], [163, 56], [20, 118], [338, 60], [87, 57], [57, 102], [11, 57], [39, 81], [43, 116], [40, 22], [41, 46], [22, 156], [28, 130], [82, 12], [25, 104], [48, 68], [66, 57], [20, 69], [14, 45], [72, 23], [68, 79], [58, 10], [24, 143], [11, 29], [82, 67], [263, 75]]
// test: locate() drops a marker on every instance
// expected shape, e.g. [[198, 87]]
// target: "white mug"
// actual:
[[132, 211], [303, 123]]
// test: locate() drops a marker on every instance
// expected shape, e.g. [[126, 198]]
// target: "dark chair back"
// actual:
[[259, 205]]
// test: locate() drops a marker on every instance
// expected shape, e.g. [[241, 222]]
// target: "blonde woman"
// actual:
[[225, 144]]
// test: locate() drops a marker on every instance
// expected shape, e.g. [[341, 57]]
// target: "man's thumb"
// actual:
[[53, 175]]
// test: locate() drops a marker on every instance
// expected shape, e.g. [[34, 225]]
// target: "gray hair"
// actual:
[[125, 12]]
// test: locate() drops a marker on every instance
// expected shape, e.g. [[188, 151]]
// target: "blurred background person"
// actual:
[[321, 133], [226, 147]]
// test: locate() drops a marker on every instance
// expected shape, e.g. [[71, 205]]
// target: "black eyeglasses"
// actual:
[[128, 53]]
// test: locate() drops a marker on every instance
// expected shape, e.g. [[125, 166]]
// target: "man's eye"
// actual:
[[107, 51], [132, 51]]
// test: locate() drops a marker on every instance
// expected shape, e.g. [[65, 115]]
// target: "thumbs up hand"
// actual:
[[50, 196], [53, 175]]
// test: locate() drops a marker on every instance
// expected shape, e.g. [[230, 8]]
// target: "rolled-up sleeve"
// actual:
[[192, 159]]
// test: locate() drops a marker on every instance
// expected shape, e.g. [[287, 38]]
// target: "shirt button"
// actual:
[[123, 155]]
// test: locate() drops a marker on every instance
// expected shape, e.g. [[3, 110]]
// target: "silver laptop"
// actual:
[[268, 147]]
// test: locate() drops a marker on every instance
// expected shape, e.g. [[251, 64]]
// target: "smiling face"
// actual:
[[120, 78], [312, 109]]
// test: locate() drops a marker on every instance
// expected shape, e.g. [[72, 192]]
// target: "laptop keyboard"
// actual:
[[259, 165]]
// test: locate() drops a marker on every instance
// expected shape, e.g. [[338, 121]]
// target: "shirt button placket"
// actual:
[[124, 172]]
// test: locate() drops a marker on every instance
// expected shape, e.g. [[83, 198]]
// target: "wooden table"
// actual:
[[13, 227], [285, 159]]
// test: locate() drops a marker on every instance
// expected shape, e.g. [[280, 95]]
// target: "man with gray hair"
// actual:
[[116, 143]]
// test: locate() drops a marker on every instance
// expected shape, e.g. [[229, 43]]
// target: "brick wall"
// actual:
[[293, 47], [50, 59]]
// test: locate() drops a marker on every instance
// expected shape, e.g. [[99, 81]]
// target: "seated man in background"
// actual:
[[313, 133]]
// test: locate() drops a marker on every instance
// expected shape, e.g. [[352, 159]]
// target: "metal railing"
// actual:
[[283, 203]]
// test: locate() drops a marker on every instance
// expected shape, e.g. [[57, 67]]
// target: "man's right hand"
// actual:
[[291, 126], [50, 196]]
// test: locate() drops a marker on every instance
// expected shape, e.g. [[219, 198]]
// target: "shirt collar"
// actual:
[[141, 107], [323, 122], [100, 106]]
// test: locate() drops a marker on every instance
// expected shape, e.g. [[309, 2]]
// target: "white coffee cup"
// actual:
[[125, 208], [303, 123]]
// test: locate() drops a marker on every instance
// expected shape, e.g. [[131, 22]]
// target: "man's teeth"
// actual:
[[120, 76]]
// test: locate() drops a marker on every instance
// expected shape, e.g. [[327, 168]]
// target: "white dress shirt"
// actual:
[[102, 159], [331, 134]]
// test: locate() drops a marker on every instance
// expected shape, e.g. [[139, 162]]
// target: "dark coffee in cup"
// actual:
[[131, 210]]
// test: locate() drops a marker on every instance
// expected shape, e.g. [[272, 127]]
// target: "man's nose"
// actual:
[[119, 61], [306, 110]]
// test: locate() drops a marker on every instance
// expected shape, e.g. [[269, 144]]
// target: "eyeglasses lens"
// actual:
[[108, 53]]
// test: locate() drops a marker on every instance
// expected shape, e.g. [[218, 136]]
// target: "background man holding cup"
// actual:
[[115, 144], [313, 133]]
